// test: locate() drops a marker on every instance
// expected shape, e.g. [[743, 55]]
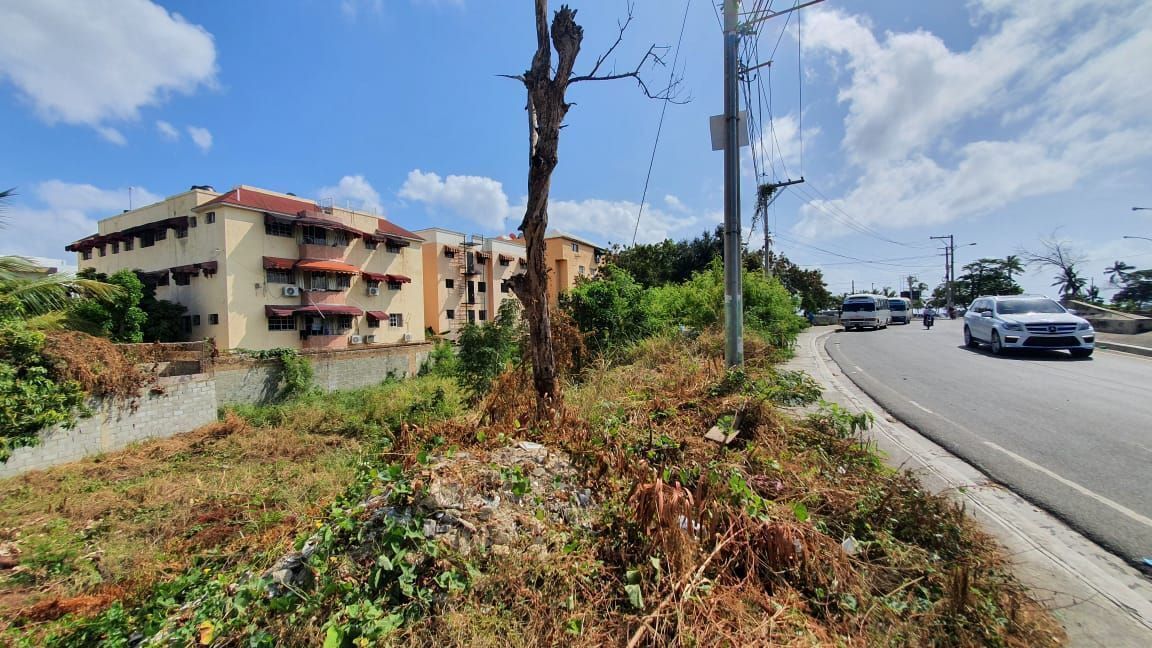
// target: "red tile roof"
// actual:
[[388, 228], [259, 201]]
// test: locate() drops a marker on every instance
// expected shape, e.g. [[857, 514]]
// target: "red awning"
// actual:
[[208, 267], [185, 269], [392, 278], [372, 276], [481, 257], [279, 311], [317, 265], [448, 249], [523, 261], [276, 263], [505, 257], [329, 309], [379, 316]]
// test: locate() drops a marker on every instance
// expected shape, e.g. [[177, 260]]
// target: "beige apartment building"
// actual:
[[471, 277], [568, 258], [259, 269]]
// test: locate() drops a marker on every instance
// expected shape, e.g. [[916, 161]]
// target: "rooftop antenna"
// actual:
[[129, 198]]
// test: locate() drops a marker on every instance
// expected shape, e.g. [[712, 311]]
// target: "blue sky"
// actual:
[[1000, 121]]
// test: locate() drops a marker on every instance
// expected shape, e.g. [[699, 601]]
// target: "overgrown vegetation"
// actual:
[[296, 374]]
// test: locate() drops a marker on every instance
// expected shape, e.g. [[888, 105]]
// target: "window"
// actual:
[[373, 322], [575, 247], [450, 314], [504, 287], [279, 276], [581, 270], [450, 254], [482, 287], [186, 323], [181, 232], [214, 318], [483, 315], [191, 221], [504, 261], [449, 283], [395, 319], [209, 218], [103, 251], [343, 323], [471, 316], [282, 323], [278, 228], [86, 254], [394, 285], [128, 244], [160, 235], [181, 278], [370, 244], [195, 320], [116, 248], [148, 239], [391, 247], [330, 281]]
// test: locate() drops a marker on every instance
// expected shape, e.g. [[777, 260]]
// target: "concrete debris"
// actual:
[[291, 572]]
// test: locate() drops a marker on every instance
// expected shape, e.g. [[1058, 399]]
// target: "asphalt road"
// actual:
[[1072, 436]]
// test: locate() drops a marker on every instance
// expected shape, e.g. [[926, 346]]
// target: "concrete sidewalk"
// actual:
[[1100, 600], [1140, 343]]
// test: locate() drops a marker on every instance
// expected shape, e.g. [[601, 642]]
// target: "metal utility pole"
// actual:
[[949, 265], [733, 288], [767, 194]]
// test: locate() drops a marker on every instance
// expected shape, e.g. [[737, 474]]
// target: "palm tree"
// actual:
[[1070, 282], [46, 293], [1011, 264], [1117, 272]]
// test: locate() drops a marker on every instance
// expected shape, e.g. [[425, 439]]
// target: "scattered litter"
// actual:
[[850, 546], [530, 445]]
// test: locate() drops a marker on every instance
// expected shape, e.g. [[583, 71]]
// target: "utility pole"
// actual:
[[766, 194], [733, 288], [949, 265], [853, 286]]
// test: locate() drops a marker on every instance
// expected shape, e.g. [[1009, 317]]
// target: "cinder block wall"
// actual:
[[171, 406]]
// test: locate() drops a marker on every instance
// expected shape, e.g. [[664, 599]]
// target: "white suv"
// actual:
[[1027, 322]]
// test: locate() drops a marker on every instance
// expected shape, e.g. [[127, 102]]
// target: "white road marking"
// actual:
[[1119, 508], [921, 407]]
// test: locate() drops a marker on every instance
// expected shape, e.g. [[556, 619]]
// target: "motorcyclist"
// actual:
[[929, 316]]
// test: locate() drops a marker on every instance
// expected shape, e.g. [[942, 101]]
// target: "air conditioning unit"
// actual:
[[291, 291], [407, 337], [369, 339], [355, 339], [373, 291]]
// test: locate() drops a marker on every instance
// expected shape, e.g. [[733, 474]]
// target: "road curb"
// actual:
[[1124, 348], [1101, 600]]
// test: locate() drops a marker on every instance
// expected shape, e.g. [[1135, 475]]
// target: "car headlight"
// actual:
[[1084, 326], [1013, 326]]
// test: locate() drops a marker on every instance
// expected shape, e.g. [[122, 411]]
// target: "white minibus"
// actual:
[[859, 311]]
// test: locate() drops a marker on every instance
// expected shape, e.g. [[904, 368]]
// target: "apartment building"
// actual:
[[568, 258], [471, 276], [259, 269]]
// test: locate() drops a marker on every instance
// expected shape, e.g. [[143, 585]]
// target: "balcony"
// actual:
[[326, 297], [313, 341], [324, 252]]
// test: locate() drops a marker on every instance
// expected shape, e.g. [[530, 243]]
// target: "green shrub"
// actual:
[[609, 310], [486, 349], [441, 361], [30, 397]]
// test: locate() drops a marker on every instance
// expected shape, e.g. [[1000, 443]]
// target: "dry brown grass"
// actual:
[[96, 363]]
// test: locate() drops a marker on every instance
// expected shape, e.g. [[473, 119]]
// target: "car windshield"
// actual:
[[1021, 306], [897, 306], [859, 306]]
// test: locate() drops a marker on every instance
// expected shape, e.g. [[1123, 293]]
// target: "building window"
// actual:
[[278, 228], [395, 319], [504, 287], [210, 218], [370, 244], [471, 316], [343, 323], [181, 232], [195, 320], [282, 323], [128, 244], [391, 247], [504, 261], [181, 278], [279, 276], [483, 315], [575, 247], [373, 322], [450, 314], [449, 254], [186, 323], [323, 281], [315, 235], [160, 235], [116, 248], [148, 238], [394, 285], [214, 318], [191, 221], [103, 251], [481, 287], [86, 254], [449, 283], [581, 270]]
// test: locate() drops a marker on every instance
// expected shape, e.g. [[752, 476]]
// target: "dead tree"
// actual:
[[546, 110]]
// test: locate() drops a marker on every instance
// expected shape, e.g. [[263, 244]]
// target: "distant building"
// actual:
[[471, 277], [569, 257], [259, 269]]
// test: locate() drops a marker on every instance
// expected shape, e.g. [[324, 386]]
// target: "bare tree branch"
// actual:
[[621, 27]]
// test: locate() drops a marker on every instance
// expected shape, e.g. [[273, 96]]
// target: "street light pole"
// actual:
[[1145, 238]]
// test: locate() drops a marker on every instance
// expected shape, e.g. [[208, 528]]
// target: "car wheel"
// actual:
[[969, 341], [1080, 353], [997, 347]]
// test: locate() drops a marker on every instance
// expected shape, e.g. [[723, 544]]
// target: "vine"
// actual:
[[296, 371]]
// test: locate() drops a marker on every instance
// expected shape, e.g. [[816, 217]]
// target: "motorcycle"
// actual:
[[929, 319]]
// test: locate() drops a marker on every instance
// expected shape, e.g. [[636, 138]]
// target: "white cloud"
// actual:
[[353, 191], [780, 141], [479, 199], [168, 131], [201, 137], [62, 212], [100, 61], [1062, 77], [613, 221], [112, 135], [353, 8]]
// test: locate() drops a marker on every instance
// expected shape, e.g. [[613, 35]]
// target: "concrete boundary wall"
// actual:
[[168, 407]]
